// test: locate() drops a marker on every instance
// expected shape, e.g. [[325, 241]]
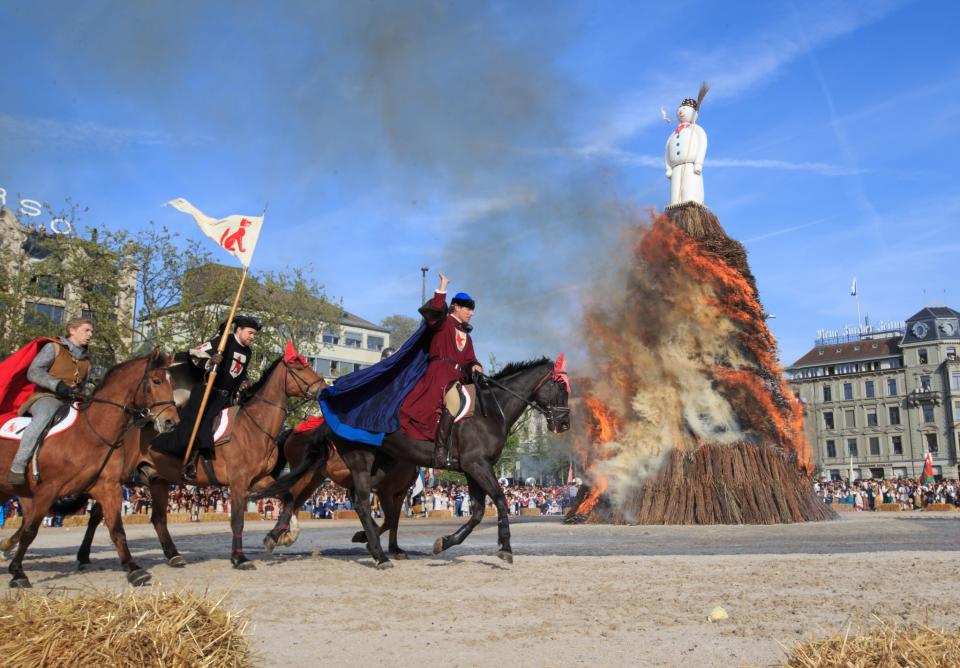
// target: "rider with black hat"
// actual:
[[231, 374]]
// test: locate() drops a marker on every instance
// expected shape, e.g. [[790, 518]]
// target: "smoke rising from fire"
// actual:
[[684, 359]]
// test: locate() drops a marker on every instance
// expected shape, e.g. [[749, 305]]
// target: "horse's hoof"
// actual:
[[384, 565], [269, 543], [84, 566], [286, 539], [400, 555], [506, 556], [359, 537], [176, 561], [20, 583], [138, 578], [438, 546], [245, 565]]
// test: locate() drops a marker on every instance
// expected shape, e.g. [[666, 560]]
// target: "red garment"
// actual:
[[14, 386], [309, 424], [449, 344]]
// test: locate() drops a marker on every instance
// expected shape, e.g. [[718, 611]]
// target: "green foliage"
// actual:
[[401, 327]]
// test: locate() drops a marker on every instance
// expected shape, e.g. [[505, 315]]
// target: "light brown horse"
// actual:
[[392, 479], [246, 463], [94, 456]]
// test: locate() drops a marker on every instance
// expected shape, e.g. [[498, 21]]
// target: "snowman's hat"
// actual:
[[695, 104]]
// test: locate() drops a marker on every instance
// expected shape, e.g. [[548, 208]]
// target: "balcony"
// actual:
[[922, 395]]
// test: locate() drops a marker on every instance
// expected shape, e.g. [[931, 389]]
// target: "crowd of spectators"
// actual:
[[910, 493]]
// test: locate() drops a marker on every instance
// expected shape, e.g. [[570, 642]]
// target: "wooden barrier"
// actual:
[[491, 511], [345, 515], [841, 507], [440, 514], [888, 507], [530, 512], [303, 515]]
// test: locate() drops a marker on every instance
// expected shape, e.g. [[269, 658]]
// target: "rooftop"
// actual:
[[853, 351]]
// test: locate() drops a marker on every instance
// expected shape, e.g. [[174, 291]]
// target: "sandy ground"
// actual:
[[574, 596]]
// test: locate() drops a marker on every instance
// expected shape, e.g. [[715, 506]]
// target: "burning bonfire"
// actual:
[[688, 419]]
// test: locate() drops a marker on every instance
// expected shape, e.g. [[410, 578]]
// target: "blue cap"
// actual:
[[463, 299]]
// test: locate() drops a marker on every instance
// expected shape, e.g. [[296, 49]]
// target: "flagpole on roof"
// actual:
[[855, 293]]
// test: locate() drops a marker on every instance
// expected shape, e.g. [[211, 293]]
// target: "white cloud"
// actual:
[[64, 133], [733, 69]]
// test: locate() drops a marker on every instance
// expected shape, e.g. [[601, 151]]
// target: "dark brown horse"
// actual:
[[94, 455], [391, 480], [246, 463], [539, 384]]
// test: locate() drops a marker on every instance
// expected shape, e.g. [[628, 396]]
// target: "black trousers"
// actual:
[[175, 442]]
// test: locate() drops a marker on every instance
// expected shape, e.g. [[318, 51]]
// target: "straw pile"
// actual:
[[125, 630], [886, 646]]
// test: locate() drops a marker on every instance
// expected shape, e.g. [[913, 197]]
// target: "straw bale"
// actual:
[[125, 630], [888, 507], [940, 507], [888, 645]]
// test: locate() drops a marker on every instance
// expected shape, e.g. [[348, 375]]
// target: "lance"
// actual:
[[212, 376]]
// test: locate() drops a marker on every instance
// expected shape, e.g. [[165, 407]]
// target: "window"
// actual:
[[849, 419], [868, 389], [922, 356], [834, 474], [42, 315], [46, 286], [353, 340], [111, 316], [848, 391], [875, 445], [897, 443], [331, 337], [925, 384], [894, 414], [900, 473], [927, 408], [852, 447], [334, 368], [375, 342], [827, 394], [931, 442], [955, 381], [892, 387], [831, 448], [876, 474], [951, 354], [872, 419], [828, 420]]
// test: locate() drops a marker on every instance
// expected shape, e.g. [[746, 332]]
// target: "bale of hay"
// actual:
[[939, 507], [889, 507], [127, 630], [914, 645]]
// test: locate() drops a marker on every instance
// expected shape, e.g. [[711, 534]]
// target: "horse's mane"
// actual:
[[156, 360], [261, 381], [517, 367]]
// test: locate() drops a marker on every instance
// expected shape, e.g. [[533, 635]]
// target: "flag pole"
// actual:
[[213, 369]]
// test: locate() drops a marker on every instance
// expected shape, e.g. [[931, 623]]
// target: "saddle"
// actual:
[[225, 424], [62, 420], [464, 396]]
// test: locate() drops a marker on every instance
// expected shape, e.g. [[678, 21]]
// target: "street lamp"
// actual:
[[423, 285]]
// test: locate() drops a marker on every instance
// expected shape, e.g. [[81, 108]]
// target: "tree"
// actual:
[[401, 327]]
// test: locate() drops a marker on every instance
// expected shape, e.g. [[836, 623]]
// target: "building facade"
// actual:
[[47, 300], [876, 403], [353, 345]]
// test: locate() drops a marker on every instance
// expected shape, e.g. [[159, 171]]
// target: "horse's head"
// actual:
[[302, 380], [552, 395], [154, 396]]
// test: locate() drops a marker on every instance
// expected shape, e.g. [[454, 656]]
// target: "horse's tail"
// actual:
[[318, 449], [68, 505]]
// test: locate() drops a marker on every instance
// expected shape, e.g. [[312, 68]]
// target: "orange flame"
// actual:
[[700, 285]]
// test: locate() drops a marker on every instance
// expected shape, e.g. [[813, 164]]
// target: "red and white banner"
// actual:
[[235, 234]]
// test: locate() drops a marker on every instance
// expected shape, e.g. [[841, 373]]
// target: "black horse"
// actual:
[[478, 442]]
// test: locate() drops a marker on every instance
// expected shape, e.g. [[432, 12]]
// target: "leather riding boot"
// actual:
[[190, 469], [441, 453]]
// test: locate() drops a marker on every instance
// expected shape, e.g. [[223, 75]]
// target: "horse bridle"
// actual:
[[308, 395], [554, 414], [142, 415]]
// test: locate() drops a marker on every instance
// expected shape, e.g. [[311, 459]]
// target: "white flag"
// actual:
[[417, 487], [235, 234], [853, 288]]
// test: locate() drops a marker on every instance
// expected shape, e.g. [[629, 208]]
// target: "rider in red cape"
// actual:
[[14, 386], [423, 414]]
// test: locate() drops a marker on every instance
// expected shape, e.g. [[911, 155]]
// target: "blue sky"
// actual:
[[507, 143]]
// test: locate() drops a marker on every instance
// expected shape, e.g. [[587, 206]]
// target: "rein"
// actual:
[[307, 396], [531, 404]]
